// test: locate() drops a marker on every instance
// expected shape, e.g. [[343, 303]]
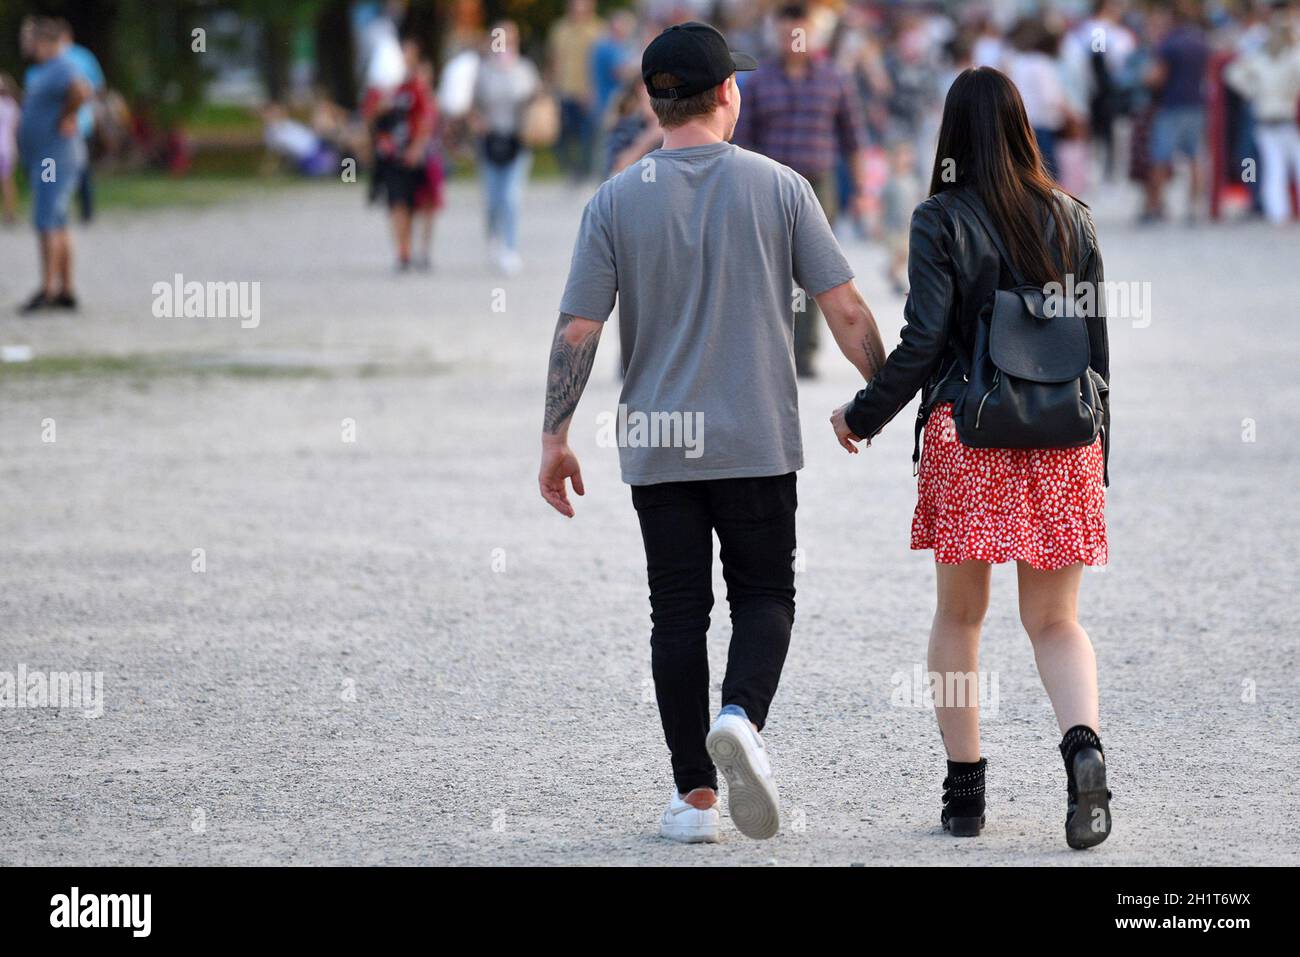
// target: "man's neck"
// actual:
[[691, 134]]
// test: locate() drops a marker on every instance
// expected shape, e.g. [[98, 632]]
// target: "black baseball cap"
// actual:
[[696, 54]]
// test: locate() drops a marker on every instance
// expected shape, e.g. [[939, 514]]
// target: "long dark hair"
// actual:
[[987, 144]]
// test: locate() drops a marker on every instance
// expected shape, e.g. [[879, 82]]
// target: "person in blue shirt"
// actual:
[[610, 59], [88, 66], [1179, 128], [51, 148]]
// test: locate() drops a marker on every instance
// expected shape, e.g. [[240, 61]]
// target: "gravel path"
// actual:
[[398, 654]]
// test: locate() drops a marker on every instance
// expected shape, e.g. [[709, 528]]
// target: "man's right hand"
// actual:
[[558, 464], [843, 434]]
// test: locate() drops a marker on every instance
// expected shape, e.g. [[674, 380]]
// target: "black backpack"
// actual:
[[1028, 384]]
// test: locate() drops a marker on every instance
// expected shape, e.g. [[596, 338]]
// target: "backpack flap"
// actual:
[[1025, 343], [1038, 304]]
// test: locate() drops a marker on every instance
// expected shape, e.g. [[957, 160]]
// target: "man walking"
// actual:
[[700, 242], [1179, 125], [803, 113], [50, 146]]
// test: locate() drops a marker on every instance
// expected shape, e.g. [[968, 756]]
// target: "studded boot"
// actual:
[[963, 798], [1087, 814]]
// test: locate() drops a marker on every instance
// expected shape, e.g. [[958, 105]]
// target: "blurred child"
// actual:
[[901, 194], [10, 110], [401, 124]]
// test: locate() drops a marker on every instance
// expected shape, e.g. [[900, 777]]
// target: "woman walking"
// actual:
[[507, 83], [996, 220]]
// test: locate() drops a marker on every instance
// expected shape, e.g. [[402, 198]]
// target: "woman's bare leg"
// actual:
[[1049, 603], [401, 219], [963, 598], [424, 236]]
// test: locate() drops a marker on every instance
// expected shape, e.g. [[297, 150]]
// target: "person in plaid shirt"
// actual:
[[800, 111]]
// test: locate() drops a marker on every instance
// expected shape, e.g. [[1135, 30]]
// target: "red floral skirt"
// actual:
[[1045, 507]]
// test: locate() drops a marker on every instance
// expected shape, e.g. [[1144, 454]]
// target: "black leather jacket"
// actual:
[[953, 269]]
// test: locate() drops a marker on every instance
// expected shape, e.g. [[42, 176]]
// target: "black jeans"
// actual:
[[754, 519]]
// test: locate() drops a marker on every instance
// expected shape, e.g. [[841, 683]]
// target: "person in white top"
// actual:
[[1098, 55], [990, 47], [9, 113], [1035, 69], [504, 86], [1270, 79]]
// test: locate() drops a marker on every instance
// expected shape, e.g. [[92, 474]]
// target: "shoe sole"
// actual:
[[964, 826], [1092, 804], [751, 797], [691, 835]]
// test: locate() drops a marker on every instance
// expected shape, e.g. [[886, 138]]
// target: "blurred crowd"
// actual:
[[1196, 92], [110, 131], [1147, 91]]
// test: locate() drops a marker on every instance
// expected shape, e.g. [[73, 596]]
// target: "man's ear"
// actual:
[[727, 91]]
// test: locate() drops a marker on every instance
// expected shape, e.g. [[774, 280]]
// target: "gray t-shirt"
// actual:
[[701, 245], [502, 89]]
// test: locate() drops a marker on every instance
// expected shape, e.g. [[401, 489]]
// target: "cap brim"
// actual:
[[743, 61]]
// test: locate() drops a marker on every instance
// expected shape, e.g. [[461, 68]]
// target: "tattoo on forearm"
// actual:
[[873, 349], [570, 367], [875, 353]]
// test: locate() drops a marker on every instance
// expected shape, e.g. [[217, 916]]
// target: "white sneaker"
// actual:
[[689, 825], [738, 751], [510, 263]]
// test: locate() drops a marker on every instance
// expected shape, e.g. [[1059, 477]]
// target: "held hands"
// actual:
[[843, 434], [558, 463]]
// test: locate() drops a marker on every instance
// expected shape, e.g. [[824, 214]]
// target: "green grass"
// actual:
[[154, 190], [144, 367], [151, 367], [147, 191], [223, 118], [224, 176]]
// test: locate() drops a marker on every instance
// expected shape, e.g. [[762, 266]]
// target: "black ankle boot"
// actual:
[[963, 798], [1087, 815]]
